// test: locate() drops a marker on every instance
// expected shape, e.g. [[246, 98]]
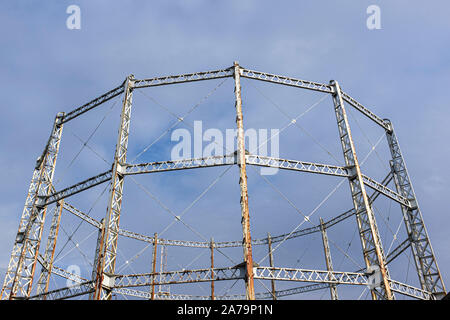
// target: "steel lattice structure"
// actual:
[[26, 256]]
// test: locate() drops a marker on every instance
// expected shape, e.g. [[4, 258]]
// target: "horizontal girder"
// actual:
[[92, 104], [189, 77], [258, 295], [67, 292], [288, 81], [81, 186]]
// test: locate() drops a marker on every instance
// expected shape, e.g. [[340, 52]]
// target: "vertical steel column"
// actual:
[[368, 230], [247, 242], [269, 243], [155, 247], [19, 275], [108, 252], [212, 269], [97, 257], [326, 248], [44, 277], [427, 269]]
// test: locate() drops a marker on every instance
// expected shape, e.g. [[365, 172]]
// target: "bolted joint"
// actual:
[[388, 123]]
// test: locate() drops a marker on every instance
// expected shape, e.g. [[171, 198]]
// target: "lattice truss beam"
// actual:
[[25, 255]]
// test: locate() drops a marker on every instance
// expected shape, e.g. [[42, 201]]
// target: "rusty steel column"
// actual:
[[98, 254], [44, 277], [212, 269], [155, 244], [329, 262], [247, 242], [269, 242]]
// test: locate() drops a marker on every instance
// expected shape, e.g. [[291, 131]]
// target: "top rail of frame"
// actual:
[[92, 104], [224, 73], [288, 81], [189, 77]]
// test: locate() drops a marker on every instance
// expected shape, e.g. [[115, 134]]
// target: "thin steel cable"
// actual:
[[84, 144], [172, 213], [197, 199], [179, 119], [367, 138], [295, 123], [82, 241], [306, 218], [82, 221]]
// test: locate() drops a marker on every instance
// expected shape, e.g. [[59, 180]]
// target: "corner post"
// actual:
[[105, 278], [21, 268], [247, 242], [426, 265], [368, 230]]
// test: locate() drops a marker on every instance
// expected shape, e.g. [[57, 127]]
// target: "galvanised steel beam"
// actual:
[[258, 295], [182, 276], [81, 186], [427, 268], [68, 275], [189, 77], [398, 250], [160, 166], [307, 275], [385, 190], [233, 273], [66, 293], [44, 277], [245, 220], [107, 256], [92, 104], [368, 230], [358, 106], [296, 165], [410, 291], [70, 208], [288, 81], [21, 268]]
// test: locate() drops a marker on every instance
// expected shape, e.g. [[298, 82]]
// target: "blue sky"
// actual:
[[400, 72]]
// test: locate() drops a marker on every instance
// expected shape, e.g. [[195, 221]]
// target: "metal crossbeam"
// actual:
[[297, 165], [358, 106], [410, 291], [81, 186], [67, 292], [288, 81], [398, 250], [160, 166], [258, 295], [183, 276], [82, 215], [92, 104], [306, 275], [189, 77], [385, 190]]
